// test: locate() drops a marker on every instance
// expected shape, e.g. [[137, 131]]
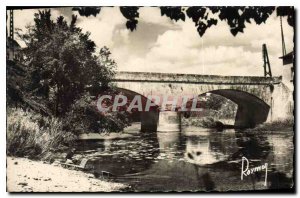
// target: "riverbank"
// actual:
[[24, 175], [285, 125]]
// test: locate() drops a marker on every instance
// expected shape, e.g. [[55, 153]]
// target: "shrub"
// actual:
[[84, 117], [32, 135], [206, 122], [277, 125]]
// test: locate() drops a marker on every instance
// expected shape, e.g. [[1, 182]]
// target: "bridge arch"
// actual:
[[251, 109], [265, 94], [149, 119]]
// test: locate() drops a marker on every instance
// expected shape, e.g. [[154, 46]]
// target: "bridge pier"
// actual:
[[153, 121], [149, 121], [169, 121]]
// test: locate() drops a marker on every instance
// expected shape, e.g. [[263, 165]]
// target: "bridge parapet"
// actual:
[[194, 78]]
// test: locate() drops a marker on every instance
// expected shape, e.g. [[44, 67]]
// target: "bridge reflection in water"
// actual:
[[202, 160]]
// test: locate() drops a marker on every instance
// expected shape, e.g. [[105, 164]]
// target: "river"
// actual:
[[192, 160]]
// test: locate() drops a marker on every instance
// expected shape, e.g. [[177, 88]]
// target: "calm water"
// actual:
[[192, 161]]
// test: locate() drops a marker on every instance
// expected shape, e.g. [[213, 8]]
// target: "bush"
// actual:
[[84, 118], [206, 122], [277, 125], [32, 135]]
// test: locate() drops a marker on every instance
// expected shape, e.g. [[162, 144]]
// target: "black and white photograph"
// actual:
[[150, 99]]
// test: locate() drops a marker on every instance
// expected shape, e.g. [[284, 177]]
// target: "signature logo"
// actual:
[[246, 171]]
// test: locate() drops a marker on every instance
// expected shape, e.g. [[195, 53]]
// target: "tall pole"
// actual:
[[267, 66], [282, 38], [11, 30]]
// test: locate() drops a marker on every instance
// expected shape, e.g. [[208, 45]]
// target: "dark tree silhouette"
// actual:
[[205, 17], [130, 13], [62, 63], [87, 11]]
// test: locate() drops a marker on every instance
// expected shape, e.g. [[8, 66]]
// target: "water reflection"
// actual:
[[252, 146], [210, 147], [202, 161]]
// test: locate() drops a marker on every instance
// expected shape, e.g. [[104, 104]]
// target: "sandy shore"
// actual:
[[24, 175]]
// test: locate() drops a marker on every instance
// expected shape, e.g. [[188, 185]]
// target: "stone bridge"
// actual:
[[259, 99]]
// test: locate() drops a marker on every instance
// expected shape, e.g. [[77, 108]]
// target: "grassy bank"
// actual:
[[35, 136], [278, 125], [31, 136], [210, 122]]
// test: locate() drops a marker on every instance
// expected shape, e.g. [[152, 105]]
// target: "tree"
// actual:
[[214, 102], [15, 74], [62, 64], [84, 117], [65, 74], [205, 17]]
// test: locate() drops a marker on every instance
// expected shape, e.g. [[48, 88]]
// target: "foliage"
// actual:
[[130, 13], [15, 94], [173, 13], [214, 102], [205, 17], [215, 108], [62, 64], [289, 12], [32, 135], [84, 117], [87, 11], [225, 108], [63, 76], [228, 110], [14, 76], [277, 125], [206, 122]]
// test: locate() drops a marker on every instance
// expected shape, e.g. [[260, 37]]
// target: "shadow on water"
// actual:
[[193, 161]]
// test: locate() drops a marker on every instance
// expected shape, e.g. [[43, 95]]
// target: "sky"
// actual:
[[162, 45]]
